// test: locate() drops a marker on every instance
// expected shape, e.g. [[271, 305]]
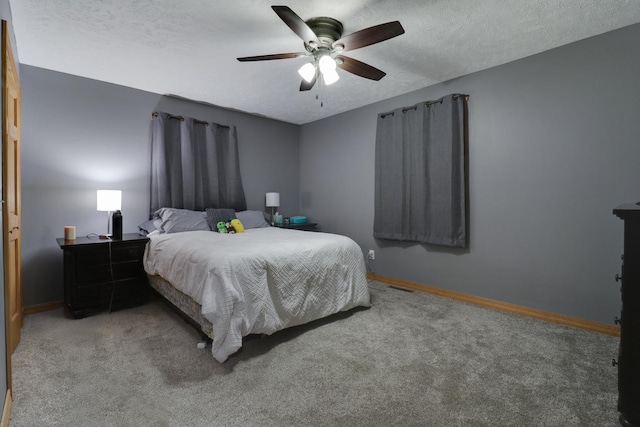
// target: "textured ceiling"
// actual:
[[189, 47]]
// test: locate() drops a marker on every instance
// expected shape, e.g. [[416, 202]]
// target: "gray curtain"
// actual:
[[194, 164], [420, 184]]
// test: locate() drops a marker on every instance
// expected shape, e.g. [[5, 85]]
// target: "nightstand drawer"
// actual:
[[94, 295], [100, 254], [102, 272]]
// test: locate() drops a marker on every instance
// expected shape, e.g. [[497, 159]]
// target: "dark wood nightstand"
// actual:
[[102, 274], [307, 226]]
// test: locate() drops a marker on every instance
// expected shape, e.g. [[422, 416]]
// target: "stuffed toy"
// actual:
[[229, 227], [237, 225], [221, 226]]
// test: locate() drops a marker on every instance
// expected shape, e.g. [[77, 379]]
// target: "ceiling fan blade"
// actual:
[[274, 56], [369, 36], [296, 24], [359, 68]]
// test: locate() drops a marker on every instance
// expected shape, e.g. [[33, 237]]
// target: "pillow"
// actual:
[[146, 227], [170, 220], [216, 215], [252, 219]]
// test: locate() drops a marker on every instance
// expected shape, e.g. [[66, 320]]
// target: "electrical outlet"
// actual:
[[372, 254]]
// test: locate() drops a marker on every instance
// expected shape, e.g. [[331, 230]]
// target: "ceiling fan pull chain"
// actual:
[[320, 94]]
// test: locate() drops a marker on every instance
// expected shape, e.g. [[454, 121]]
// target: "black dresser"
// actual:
[[629, 354], [103, 274]]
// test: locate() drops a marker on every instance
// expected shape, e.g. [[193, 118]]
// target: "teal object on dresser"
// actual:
[[298, 219]]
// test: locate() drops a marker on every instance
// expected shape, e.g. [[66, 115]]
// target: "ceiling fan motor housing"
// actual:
[[328, 30]]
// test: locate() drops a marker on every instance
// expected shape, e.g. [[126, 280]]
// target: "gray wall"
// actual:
[[553, 148], [81, 135]]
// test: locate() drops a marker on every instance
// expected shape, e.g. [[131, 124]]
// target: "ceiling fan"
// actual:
[[323, 42]]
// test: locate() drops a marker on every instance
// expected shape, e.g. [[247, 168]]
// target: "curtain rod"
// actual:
[[202, 122], [196, 121], [428, 104], [169, 116]]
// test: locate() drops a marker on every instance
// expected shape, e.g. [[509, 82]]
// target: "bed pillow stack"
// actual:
[[172, 220]]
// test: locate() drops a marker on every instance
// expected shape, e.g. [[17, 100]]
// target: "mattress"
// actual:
[[262, 280]]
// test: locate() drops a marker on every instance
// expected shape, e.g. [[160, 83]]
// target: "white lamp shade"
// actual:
[[273, 200], [330, 77], [327, 64], [109, 200], [307, 72]]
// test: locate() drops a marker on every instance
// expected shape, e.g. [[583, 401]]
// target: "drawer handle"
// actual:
[[618, 277], [617, 320], [614, 362]]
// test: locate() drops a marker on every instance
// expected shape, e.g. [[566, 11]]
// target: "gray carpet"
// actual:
[[413, 359]]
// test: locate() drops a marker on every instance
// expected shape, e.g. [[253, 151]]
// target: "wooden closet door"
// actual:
[[11, 197]]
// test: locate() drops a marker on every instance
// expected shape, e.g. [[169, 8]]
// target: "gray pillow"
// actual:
[[215, 215], [171, 220], [146, 227], [252, 219]]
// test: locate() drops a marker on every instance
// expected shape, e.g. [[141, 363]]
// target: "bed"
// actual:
[[259, 281]]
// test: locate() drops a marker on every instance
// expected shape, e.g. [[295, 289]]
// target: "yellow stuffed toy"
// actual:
[[235, 222]]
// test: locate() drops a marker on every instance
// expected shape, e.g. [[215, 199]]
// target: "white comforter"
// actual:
[[262, 280]]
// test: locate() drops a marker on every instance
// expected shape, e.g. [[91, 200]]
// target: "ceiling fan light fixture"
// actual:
[[330, 76], [307, 72], [327, 64]]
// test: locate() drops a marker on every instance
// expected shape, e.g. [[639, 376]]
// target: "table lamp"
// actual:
[[273, 201], [109, 201]]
